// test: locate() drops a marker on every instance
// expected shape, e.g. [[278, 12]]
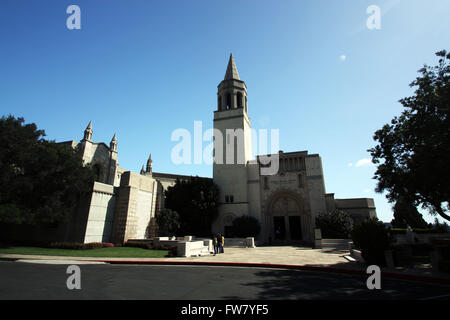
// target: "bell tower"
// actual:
[[232, 145], [232, 91]]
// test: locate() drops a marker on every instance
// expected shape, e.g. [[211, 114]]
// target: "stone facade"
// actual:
[[285, 203], [123, 204]]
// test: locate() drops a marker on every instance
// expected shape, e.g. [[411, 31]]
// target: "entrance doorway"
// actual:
[[295, 227], [279, 228], [288, 221]]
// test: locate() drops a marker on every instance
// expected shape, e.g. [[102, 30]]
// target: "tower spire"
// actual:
[[149, 164], [113, 143], [88, 132], [232, 72]]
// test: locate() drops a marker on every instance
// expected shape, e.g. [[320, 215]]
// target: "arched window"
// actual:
[[266, 183], [228, 101], [219, 102], [239, 100]]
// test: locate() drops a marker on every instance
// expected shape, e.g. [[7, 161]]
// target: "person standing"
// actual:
[[219, 243], [215, 243], [222, 243]]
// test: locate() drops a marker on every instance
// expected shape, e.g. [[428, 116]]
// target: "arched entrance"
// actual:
[[286, 218]]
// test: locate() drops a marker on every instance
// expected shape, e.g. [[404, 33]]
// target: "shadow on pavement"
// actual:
[[290, 284]]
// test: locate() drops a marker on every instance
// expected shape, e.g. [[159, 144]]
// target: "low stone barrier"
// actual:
[[187, 246], [193, 248]]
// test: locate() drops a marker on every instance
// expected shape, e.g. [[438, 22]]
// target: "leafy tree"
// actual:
[[337, 224], [195, 200], [412, 154], [440, 227], [40, 181], [405, 213], [168, 222], [372, 237], [246, 226]]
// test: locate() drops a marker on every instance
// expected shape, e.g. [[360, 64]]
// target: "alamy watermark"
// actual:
[[374, 281], [373, 22], [74, 280], [233, 148], [74, 20]]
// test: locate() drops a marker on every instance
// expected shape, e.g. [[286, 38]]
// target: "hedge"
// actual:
[[80, 246]]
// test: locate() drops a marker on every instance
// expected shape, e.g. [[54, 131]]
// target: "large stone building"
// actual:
[[123, 204], [286, 203]]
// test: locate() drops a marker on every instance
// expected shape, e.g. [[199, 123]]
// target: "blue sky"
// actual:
[[142, 69]]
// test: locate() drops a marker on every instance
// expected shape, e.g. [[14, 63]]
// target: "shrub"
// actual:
[[172, 251], [67, 245], [168, 222], [107, 245], [246, 226], [440, 227], [335, 225], [372, 237], [80, 246], [143, 245], [93, 245]]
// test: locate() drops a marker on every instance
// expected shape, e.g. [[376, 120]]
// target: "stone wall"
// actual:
[[133, 207], [101, 214]]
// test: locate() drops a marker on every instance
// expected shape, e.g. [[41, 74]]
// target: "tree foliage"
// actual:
[[372, 237], [412, 155], [40, 181], [405, 213], [168, 222], [195, 200], [335, 225]]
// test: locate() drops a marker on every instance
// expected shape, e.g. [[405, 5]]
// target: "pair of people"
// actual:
[[218, 241]]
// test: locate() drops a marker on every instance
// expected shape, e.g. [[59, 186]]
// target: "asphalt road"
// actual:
[[46, 281]]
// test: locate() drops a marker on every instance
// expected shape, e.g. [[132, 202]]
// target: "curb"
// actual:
[[398, 276]]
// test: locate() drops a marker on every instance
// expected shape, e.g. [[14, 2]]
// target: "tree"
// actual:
[[41, 181], [195, 200], [372, 237], [168, 222], [440, 227], [246, 226], [412, 155], [405, 213], [335, 225]]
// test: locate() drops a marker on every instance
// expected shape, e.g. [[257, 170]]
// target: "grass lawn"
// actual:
[[128, 252]]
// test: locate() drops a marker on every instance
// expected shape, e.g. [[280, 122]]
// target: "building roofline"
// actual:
[[175, 176]]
